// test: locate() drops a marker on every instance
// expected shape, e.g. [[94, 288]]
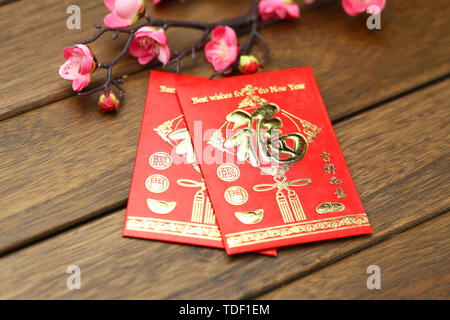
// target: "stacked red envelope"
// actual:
[[168, 200], [268, 155]]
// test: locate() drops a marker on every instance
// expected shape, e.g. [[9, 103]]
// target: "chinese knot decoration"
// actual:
[[147, 42]]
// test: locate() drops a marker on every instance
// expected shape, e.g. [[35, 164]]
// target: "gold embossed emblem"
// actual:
[[236, 195], [328, 207], [228, 172], [160, 160], [255, 134], [157, 183], [270, 143]]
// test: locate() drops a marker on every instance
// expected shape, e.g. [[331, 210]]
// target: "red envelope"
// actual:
[[168, 200], [271, 161]]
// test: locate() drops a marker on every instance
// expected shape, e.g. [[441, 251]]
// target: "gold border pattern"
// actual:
[[185, 229], [296, 230]]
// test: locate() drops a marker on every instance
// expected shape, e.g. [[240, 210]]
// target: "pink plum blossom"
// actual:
[[123, 12], [79, 66], [278, 9], [355, 7], [148, 43], [222, 50], [156, 1]]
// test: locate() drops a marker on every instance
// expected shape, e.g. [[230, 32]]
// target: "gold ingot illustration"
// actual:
[[250, 217], [161, 206], [328, 207]]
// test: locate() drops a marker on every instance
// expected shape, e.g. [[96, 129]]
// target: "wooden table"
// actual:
[[65, 167]]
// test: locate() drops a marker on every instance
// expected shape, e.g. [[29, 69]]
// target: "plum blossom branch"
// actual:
[[189, 50], [147, 42], [251, 18], [109, 65]]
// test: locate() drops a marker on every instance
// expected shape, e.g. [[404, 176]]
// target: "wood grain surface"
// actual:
[[413, 265], [355, 67], [66, 162], [65, 167], [399, 159]]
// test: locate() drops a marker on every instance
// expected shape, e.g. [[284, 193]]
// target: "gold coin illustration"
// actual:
[[161, 206], [250, 217], [328, 207]]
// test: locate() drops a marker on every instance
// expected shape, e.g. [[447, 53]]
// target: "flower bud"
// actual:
[[108, 101], [248, 64]]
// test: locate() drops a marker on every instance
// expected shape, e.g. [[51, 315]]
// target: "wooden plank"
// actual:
[[413, 265], [51, 177], [397, 154], [355, 67], [66, 162]]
